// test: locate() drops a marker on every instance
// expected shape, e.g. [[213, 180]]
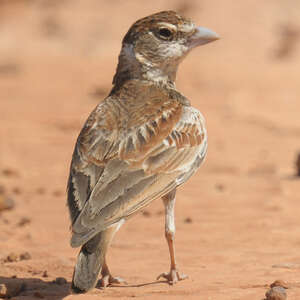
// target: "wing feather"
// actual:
[[123, 161]]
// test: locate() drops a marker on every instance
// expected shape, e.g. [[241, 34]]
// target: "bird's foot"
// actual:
[[107, 280], [173, 276]]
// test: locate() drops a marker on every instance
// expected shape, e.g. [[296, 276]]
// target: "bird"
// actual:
[[140, 143]]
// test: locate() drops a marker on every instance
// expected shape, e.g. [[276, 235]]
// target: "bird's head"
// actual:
[[155, 45]]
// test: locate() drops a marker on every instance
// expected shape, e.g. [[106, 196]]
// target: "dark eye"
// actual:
[[165, 33]]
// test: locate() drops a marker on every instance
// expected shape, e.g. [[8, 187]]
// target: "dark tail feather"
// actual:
[[89, 263]]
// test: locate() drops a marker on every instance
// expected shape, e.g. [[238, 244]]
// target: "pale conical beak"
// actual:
[[202, 36]]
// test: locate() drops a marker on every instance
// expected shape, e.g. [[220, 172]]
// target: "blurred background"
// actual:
[[238, 225]]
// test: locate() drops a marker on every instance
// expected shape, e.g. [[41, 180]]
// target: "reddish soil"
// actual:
[[238, 225]]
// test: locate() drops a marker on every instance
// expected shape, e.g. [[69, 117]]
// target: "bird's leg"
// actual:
[[107, 279], [169, 201]]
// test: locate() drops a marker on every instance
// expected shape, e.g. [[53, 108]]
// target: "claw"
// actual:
[[117, 280], [162, 275], [172, 277]]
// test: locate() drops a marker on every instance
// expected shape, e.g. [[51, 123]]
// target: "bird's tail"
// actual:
[[91, 259], [89, 263]]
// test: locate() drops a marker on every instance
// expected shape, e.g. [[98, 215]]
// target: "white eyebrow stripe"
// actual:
[[168, 25]]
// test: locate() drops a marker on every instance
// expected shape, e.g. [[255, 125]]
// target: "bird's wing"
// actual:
[[135, 160]]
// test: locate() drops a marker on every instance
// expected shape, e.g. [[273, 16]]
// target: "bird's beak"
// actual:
[[202, 36]]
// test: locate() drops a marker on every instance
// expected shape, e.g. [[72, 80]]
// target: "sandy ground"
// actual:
[[238, 225]]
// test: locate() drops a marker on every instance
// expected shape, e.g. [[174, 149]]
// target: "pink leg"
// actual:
[[173, 276]]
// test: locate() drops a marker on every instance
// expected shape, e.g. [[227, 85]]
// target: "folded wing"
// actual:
[[125, 159]]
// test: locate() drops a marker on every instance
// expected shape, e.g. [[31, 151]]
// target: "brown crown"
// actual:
[[148, 23]]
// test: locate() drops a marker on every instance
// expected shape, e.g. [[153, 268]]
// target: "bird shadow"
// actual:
[[23, 288]]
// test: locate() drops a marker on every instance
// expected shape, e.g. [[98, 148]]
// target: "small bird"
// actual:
[[139, 144]]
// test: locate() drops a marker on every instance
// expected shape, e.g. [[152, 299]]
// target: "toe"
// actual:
[[108, 280], [182, 276], [162, 275], [117, 280], [104, 282], [172, 277]]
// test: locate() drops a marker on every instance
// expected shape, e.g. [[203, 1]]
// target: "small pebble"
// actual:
[[24, 221], [60, 280], [25, 256], [12, 257], [58, 193], [10, 172], [45, 274], [3, 290], [6, 202], [188, 220], [12, 289], [276, 293], [220, 187]]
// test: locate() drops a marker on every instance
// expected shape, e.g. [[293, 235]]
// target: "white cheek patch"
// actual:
[[175, 49]]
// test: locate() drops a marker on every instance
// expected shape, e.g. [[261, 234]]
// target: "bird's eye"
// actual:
[[165, 33]]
